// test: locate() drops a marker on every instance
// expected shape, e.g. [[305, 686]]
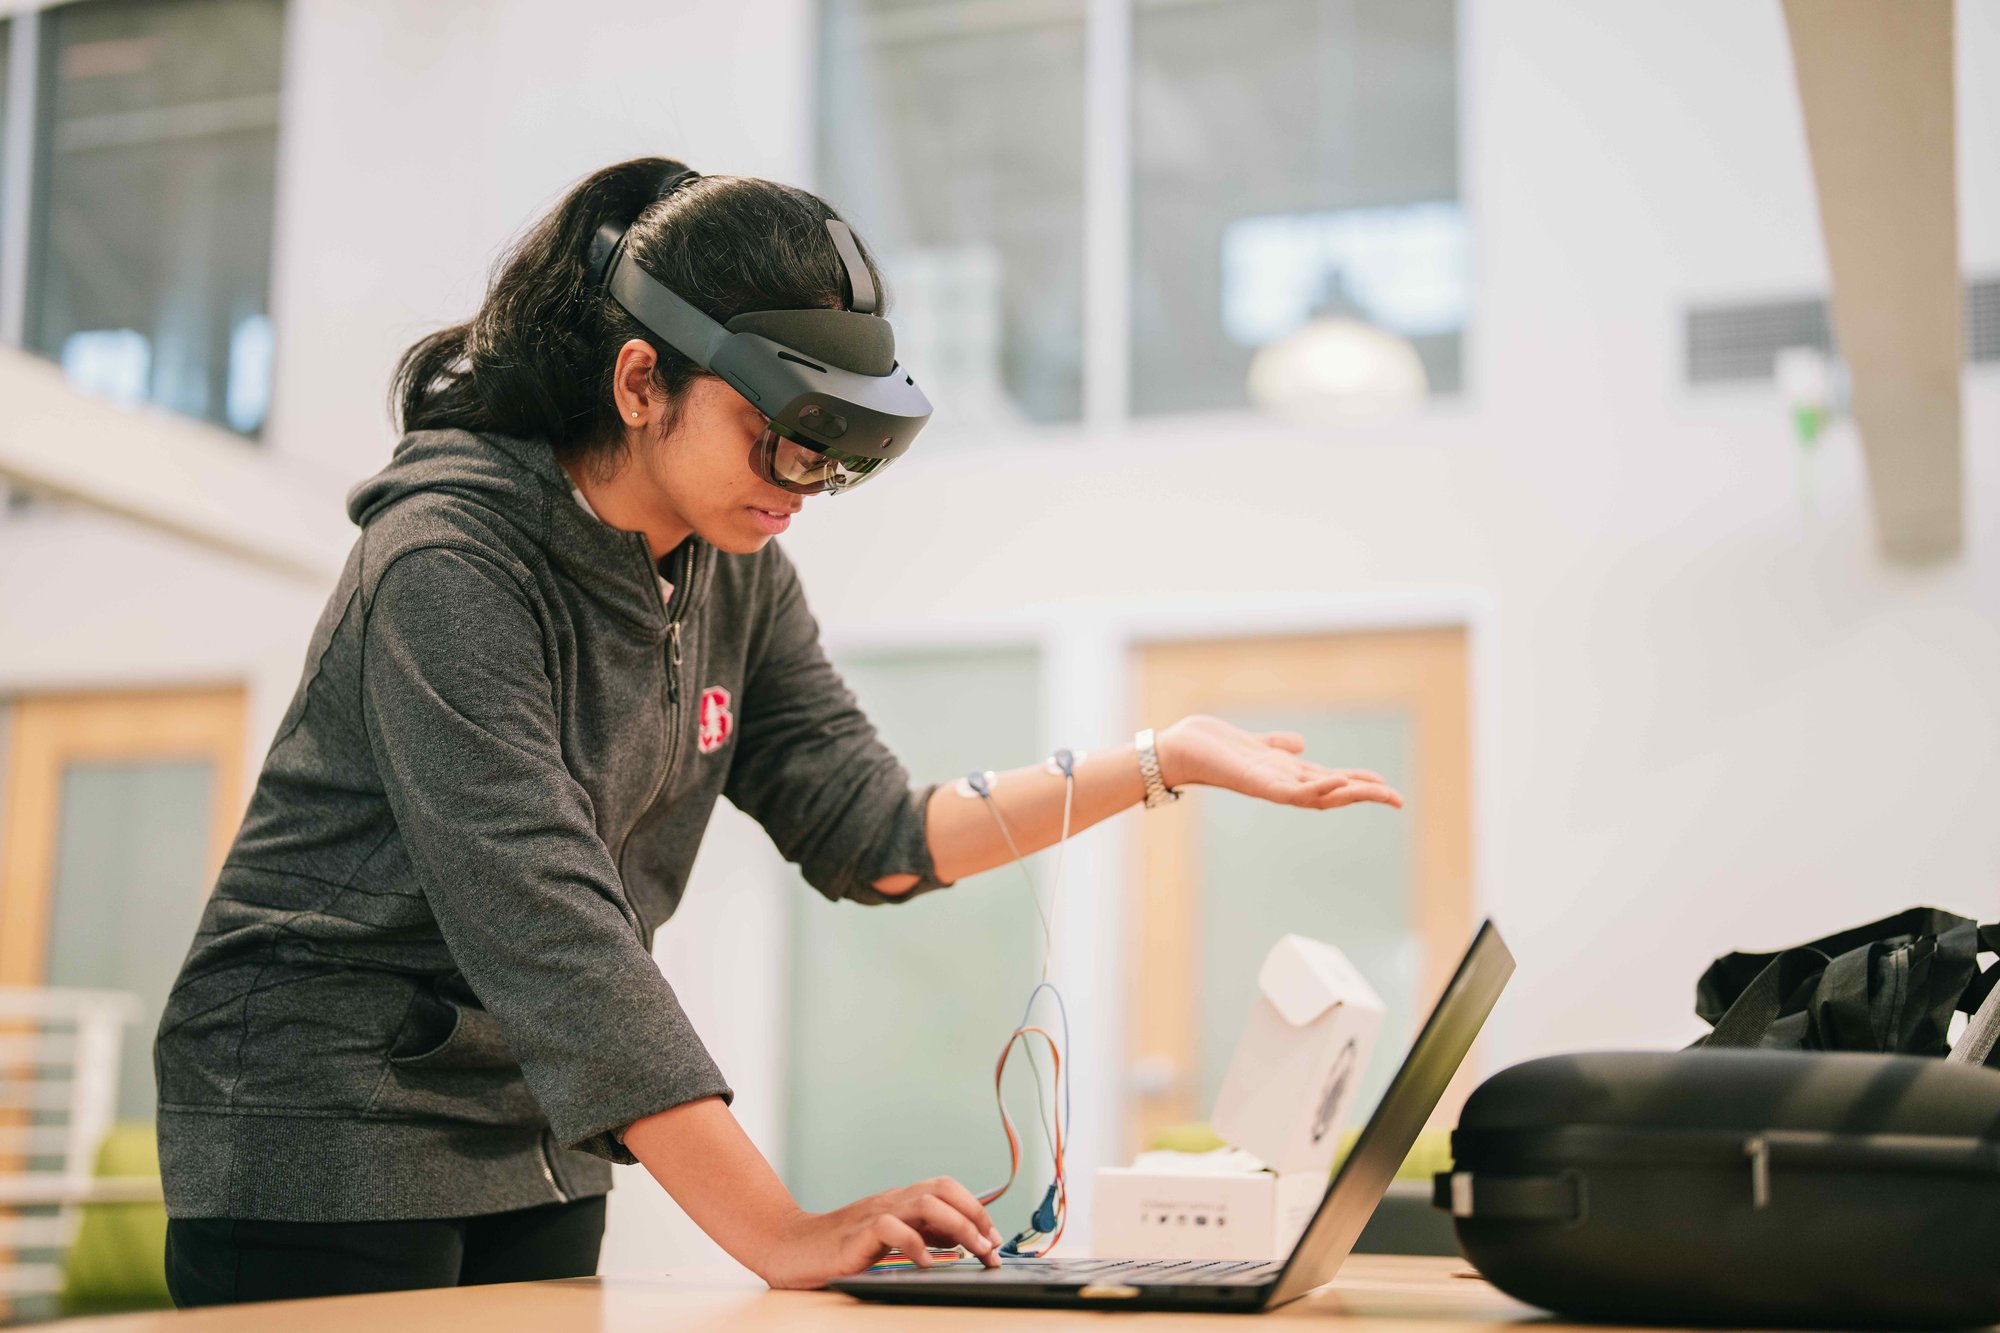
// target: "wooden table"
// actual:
[[1373, 1292]]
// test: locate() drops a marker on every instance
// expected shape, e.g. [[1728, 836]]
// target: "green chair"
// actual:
[[117, 1262]]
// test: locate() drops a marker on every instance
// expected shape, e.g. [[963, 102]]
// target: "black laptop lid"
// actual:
[[1386, 1139]]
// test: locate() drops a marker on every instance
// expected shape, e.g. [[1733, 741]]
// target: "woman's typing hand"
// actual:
[[811, 1249], [1207, 751], [700, 1155]]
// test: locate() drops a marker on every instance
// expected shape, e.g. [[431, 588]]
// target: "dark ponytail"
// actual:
[[537, 359]]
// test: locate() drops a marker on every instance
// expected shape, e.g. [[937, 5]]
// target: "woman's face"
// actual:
[[701, 470], [696, 477]]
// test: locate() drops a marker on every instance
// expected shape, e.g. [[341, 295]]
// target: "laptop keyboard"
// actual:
[[1149, 1272]]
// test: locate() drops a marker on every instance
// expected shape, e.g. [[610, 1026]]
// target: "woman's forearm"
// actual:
[[700, 1155], [1197, 750], [964, 838]]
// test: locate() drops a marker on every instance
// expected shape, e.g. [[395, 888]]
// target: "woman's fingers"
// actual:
[[1329, 790], [963, 1199], [1285, 740], [1351, 774], [1352, 792], [892, 1233], [1313, 791], [939, 1220]]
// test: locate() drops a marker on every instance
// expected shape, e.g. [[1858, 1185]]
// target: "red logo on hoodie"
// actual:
[[716, 719]]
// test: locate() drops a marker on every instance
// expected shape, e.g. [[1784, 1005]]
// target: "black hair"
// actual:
[[537, 360]]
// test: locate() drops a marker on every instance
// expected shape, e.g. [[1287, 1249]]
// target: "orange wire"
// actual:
[[1014, 1138]]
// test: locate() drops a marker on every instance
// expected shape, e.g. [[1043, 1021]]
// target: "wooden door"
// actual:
[[115, 813], [118, 811], [1221, 877]]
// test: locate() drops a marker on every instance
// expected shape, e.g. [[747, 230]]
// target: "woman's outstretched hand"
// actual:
[[1207, 751], [815, 1248]]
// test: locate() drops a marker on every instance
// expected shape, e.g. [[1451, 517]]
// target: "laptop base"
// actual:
[[1075, 1283]]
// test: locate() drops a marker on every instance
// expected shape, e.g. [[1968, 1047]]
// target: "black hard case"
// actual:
[[1767, 1188]]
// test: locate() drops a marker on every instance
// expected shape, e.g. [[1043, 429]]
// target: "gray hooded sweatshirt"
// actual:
[[423, 986]]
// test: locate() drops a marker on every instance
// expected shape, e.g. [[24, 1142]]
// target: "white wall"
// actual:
[[418, 139], [1714, 720]]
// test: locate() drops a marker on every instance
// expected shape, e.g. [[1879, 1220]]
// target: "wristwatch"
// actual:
[[1157, 791]]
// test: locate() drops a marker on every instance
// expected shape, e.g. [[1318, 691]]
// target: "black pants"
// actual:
[[221, 1260]]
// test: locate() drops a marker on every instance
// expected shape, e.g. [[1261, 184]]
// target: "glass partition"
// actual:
[[131, 874], [1267, 872]]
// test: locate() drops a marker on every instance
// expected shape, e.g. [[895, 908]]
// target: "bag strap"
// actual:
[[1891, 985], [1774, 994], [1511, 1198], [1897, 994], [1979, 1044]]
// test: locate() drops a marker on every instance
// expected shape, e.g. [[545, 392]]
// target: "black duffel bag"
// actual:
[[1770, 1177]]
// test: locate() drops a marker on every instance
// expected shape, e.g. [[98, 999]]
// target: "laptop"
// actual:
[[1244, 1287]]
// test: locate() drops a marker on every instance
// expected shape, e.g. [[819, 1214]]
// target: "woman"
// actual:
[[421, 1017]]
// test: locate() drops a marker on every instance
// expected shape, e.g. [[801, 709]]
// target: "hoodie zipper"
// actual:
[[669, 715], [548, 1167], [670, 724]]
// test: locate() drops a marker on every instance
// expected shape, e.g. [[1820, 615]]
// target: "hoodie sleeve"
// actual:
[[460, 716], [810, 768]]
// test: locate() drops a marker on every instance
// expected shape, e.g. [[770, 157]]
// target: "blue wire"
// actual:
[[1062, 1010]]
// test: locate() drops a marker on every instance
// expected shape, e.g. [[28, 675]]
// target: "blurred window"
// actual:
[[951, 136], [1291, 158], [883, 1081], [150, 276], [131, 873]]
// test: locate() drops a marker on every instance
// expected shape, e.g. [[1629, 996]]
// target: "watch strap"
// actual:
[[1157, 791]]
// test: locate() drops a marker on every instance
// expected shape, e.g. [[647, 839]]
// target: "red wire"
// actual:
[[1014, 1138]]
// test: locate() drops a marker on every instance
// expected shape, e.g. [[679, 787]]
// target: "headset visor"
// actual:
[[809, 469]]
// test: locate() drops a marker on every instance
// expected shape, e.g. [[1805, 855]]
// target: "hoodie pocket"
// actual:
[[452, 1062], [472, 1041]]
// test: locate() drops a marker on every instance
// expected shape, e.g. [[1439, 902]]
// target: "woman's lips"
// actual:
[[772, 523]]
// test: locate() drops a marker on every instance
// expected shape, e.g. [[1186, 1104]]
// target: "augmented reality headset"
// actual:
[[840, 408]]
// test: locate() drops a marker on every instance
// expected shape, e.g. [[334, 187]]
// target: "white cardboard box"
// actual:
[[1292, 1080], [1158, 1209], [1290, 1085]]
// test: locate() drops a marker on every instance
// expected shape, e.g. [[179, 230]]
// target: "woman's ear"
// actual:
[[640, 405]]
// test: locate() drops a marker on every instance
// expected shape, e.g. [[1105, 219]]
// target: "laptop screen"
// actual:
[[1400, 1116]]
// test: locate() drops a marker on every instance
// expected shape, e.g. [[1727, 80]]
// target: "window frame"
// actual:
[[18, 117], [24, 161]]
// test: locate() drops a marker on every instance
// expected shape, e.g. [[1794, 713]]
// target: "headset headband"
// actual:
[[860, 286], [824, 375]]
